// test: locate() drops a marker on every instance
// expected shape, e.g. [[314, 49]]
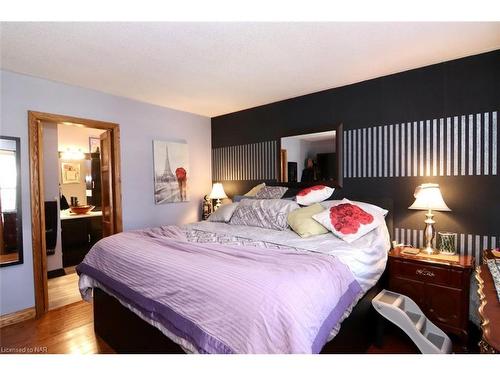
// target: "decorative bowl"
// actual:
[[81, 210]]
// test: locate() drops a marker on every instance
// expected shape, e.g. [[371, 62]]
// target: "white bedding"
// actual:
[[365, 257]]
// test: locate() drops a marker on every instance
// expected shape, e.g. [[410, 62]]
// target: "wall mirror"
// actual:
[[11, 245], [312, 158]]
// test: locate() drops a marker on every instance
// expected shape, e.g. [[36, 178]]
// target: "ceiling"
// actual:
[[216, 68]]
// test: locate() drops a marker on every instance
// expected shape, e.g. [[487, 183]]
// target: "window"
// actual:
[[8, 180]]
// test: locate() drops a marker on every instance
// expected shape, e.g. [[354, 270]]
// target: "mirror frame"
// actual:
[[19, 221], [338, 182]]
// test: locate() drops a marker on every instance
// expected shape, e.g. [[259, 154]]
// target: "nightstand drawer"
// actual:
[[427, 273]]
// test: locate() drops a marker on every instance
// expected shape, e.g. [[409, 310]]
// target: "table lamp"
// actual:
[[217, 193], [428, 197]]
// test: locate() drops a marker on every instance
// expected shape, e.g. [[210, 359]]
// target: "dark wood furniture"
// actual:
[[489, 309], [78, 236], [438, 285]]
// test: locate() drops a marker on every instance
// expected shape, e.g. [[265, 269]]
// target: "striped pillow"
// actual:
[[264, 213]]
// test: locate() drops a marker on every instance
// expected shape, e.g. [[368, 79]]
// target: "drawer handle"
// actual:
[[425, 272]]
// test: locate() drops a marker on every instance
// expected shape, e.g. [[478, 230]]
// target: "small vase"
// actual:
[[447, 243]]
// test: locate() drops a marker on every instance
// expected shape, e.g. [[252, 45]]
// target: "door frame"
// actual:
[[35, 126]]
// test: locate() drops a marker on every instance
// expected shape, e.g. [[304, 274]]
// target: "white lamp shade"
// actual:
[[217, 191], [428, 197]]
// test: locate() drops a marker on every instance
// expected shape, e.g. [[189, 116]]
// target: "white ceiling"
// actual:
[[217, 68]]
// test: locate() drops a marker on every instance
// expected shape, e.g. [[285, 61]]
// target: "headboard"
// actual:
[[384, 202]]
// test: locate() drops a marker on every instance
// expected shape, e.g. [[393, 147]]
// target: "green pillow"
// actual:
[[302, 222]]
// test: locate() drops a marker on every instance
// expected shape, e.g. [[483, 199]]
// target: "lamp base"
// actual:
[[429, 251], [429, 234], [218, 203]]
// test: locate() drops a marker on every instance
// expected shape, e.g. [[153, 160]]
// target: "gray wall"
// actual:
[[140, 123]]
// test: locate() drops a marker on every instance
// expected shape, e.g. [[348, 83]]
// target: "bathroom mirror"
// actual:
[[312, 158], [11, 245]]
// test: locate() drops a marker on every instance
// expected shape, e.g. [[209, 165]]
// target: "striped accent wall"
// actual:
[[254, 161], [467, 244], [465, 145]]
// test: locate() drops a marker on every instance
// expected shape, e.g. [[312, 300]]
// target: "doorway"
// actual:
[[109, 192]]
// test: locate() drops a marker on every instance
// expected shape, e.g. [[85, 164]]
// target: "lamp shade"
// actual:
[[428, 197], [217, 191]]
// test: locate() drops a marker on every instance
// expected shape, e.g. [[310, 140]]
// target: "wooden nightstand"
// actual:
[[438, 284]]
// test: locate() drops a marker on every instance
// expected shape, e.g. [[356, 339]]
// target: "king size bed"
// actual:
[[219, 287]]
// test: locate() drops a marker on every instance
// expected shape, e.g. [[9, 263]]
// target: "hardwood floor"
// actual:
[[68, 329], [63, 290]]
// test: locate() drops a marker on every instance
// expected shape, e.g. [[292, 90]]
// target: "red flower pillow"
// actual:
[[348, 220], [313, 194]]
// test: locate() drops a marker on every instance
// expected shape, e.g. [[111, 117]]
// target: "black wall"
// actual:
[[463, 92]]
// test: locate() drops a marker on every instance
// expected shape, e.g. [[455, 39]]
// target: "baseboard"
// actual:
[[16, 317]]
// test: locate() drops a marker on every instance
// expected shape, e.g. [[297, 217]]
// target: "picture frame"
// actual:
[[70, 173], [94, 144], [171, 172]]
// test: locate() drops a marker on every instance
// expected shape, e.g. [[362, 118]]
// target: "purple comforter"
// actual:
[[226, 299]]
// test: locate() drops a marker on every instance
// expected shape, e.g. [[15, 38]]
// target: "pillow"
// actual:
[[349, 221], [223, 213], [303, 224], [255, 190], [271, 192], [314, 194], [264, 213], [226, 201], [365, 206], [238, 198]]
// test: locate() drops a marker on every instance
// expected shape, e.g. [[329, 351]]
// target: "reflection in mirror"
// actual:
[[309, 157], [11, 248]]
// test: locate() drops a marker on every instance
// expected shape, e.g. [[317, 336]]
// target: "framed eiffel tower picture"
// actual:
[[171, 172]]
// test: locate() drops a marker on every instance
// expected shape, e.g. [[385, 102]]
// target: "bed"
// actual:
[[188, 289]]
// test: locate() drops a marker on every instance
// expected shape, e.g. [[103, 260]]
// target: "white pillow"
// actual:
[[313, 194], [223, 213], [349, 220], [365, 206]]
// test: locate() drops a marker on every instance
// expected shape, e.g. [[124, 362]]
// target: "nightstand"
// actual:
[[439, 284]]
